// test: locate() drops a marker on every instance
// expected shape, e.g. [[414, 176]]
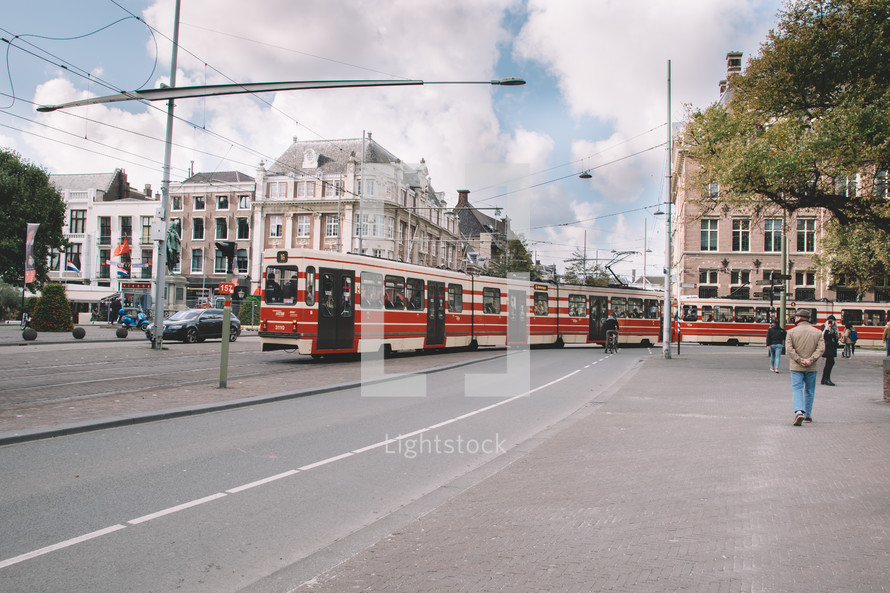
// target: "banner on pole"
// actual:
[[30, 272]]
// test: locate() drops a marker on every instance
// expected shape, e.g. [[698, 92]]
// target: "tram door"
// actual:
[[435, 320], [598, 308], [517, 308], [336, 309]]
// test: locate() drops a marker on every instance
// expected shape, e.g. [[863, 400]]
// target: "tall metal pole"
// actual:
[[161, 260], [666, 337], [783, 298], [361, 200]]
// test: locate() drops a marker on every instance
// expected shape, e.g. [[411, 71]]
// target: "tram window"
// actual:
[[327, 306], [289, 290], [635, 308], [874, 317], [577, 305], [853, 316], [275, 275], [619, 307], [762, 314], [722, 314], [792, 315], [394, 295], [491, 300], [651, 309], [744, 314], [372, 290], [542, 304], [690, 312], [415, 294], [455, 298], [310, 286], [346, 302], [707, 313]]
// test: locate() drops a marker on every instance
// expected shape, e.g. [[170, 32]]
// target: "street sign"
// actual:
[[763, 283], [778, 289], [226, 288], [777, 277], [687, 285]]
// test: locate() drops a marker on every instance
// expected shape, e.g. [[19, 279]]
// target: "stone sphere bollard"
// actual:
[[29, 334], [79, 333], [121, 332]]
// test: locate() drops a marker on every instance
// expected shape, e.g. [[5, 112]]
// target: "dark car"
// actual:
[[197, 325]]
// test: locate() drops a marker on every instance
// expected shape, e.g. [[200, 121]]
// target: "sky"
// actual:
[[596, 97]]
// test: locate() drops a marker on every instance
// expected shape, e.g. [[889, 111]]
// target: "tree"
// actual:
[[809, 114], [582, 270], [53, 310], [860, 253], [518, 260], [249, 313], [26, 195]]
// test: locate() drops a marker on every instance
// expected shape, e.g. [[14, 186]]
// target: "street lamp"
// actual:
[[172, 92]]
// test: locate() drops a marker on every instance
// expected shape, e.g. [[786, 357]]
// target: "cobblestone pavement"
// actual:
[[689, 477]]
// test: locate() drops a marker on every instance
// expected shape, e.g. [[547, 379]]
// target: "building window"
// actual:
[[104, 266], [806, 235], [146, 229], [244, 202], [199, 203], [219, 262], [713, 190], [243, 229], [846, 186], [332, 226], [77, 222], [176, 203], [127, 228], [304, 225], [881, 184], [198, 228], [305, 189], [805, 278], [278, 189], [390, 227], [222, 228], [147, 255], [276, 226], [741, 235], [197, 261], [222, 202], [709, 234], [104, 230], [369, 187], [72, 258], [389, 191], [772, 234], [332, 189], [241, 261]]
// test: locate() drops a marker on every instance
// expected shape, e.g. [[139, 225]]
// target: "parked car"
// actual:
[[197, 325]]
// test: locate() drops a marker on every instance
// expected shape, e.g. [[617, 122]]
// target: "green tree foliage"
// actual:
[[584, 271], [26, 195], [517, 259], [249, 313], [10, 300], [861, 253], [809, 113], [53, 311]]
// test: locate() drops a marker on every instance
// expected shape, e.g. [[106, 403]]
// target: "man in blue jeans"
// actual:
[[805, 345]]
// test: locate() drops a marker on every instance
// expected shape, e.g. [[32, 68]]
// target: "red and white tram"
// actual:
[[731, 321], [329, 303]]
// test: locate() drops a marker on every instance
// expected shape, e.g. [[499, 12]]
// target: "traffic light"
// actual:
[[227, 248]]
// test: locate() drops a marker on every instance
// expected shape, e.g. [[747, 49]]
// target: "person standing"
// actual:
[[805, 345], [775, 342], [115, 312], [887, 337], [847, 340], [830, 335]]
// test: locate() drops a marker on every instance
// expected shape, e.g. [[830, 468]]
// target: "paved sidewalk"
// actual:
[[689, 477]]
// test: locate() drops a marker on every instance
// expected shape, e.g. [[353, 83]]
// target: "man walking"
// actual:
[[804, 345]]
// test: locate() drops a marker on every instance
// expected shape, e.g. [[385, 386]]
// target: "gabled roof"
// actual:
[[84, 181], [220, 177], [333, 156]]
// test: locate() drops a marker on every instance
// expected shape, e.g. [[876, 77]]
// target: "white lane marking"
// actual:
[[177, 508], [325, 461], [212, 497], [261, 482], [60, 545]]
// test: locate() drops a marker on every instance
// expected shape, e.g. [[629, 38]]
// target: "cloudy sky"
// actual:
[[595, 98]]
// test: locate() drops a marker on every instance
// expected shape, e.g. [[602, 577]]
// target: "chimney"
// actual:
[[463, 199], [148, 190], [733, 63], [722, 87]]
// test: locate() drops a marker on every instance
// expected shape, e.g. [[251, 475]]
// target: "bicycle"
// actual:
[[611, 343], [26, 320]]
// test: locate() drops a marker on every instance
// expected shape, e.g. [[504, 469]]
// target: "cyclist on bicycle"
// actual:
[[611, 327]]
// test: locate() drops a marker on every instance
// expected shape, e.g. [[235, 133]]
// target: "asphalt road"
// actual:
[[221, 501]]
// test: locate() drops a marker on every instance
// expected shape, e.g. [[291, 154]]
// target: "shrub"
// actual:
[[53, 311], [249, 314]]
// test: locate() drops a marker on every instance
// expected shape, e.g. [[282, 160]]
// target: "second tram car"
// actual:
[[329, 303]]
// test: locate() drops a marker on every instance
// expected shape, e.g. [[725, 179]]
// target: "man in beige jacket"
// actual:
[[805, 345]]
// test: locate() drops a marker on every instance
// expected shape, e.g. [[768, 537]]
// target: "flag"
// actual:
[[70, 267], [122, 266], [30, 272], [122, 248]]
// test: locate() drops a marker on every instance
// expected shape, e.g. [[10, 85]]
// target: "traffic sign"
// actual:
[[226, 288]]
